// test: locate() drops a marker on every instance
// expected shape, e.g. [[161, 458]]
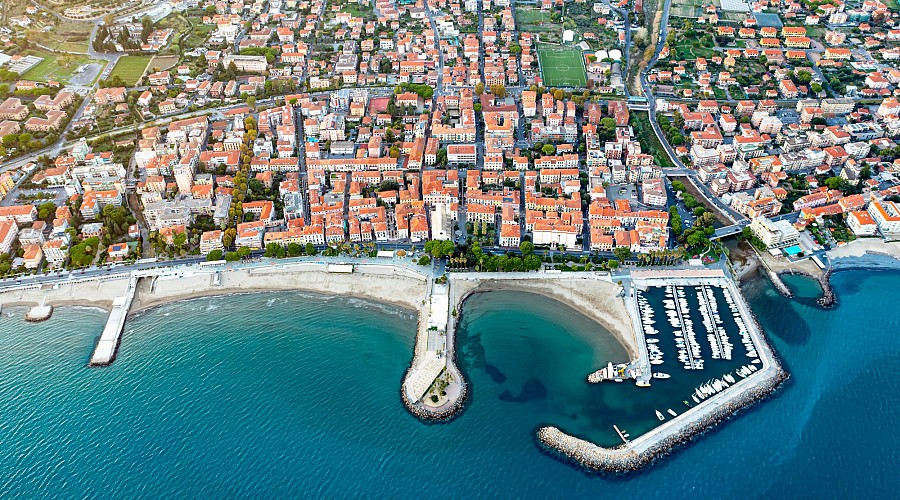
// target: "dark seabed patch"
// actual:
[[533, 390], [495, 374]]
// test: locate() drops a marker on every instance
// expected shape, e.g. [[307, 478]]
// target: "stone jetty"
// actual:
[[434, 358]]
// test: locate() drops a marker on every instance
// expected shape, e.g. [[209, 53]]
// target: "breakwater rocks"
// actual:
[[828, 298], [775, 278], [39, 313], [445, 413], [635, 455]]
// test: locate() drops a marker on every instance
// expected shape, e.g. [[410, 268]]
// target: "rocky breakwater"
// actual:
[[39, 313], [828, 298], [662, 441], [779, 284], [444, 413]]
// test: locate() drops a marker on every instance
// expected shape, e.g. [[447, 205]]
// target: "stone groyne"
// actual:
[[635, 455], [828, 298], [775, 278]]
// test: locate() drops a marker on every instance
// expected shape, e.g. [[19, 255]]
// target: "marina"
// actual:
[[688, 325]]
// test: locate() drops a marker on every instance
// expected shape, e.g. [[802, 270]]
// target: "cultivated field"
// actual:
[[530, 20], [163, 62], [562, 67], [690, 8], [131, 68]]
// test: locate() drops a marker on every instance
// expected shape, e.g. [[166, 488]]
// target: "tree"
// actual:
[[526, 247], [479, 88], [498, 90], [804, 77], [838, 183], [214, 255], [678, 186], [558, 94], [46, 211], [228, 237], [696, 238], [294, 249], [622, 253], [424, 260], [251, 101], [548, 149], [311, 249], [272, 249], [865, 172]]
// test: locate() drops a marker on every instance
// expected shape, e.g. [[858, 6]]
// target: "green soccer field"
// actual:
[[562, 68], [131, 68]]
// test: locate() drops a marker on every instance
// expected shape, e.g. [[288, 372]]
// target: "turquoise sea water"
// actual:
[[290, 394]]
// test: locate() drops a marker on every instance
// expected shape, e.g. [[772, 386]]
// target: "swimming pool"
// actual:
[[793, 250]]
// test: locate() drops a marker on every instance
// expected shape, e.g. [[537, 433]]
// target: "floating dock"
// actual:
[[108, 344]]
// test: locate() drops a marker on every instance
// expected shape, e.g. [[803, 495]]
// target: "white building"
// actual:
[[886, 215], [775, 234]]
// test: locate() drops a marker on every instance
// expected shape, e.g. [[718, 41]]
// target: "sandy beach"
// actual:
[[377, 283], [395, 289], [86, 294], [592, 297], [863, 246]]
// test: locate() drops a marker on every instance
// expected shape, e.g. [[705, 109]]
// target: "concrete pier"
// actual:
[[108, 344]]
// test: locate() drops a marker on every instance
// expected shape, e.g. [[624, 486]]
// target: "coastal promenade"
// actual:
[[639, 452]]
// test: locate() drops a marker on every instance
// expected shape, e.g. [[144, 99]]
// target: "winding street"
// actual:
[[682, 170]]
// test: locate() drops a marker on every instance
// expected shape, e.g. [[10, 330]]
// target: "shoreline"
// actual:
[[463, 286], [574, 291], [867, 253]]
